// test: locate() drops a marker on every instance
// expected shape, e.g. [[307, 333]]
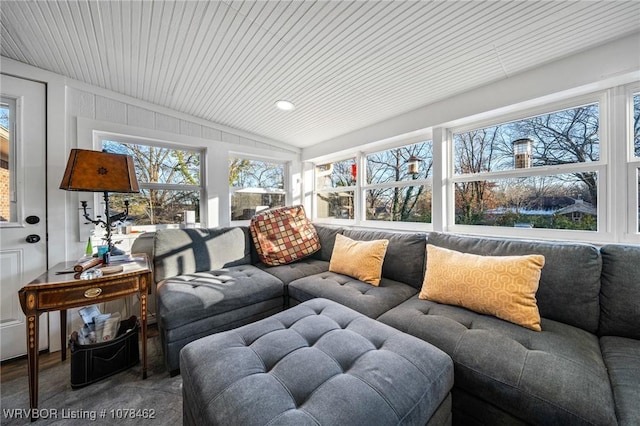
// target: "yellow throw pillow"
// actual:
[[359, 259], [502, 286]]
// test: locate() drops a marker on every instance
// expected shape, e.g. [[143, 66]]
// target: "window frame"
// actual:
[[617, 168], [101, 136], [253, 157], [632, 231], [352, 188], [600, 166], [15, 206], [415, 226], [359, 188]]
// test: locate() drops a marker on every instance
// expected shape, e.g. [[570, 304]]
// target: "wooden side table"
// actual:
[[56, 291]]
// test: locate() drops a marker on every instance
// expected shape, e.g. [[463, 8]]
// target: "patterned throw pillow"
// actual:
[[502, 286], [283, 235], [359, 259]]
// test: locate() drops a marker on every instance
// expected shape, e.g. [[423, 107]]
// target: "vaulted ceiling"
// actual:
[[344, 64]]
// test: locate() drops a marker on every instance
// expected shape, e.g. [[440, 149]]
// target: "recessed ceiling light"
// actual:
[[285, 105]]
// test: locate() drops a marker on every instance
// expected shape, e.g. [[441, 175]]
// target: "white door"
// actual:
[[22, 206]]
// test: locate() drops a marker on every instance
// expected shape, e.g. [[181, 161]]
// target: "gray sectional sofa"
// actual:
[[582, 368]]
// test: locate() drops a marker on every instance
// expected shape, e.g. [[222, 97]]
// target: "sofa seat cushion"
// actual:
[[622, 357], [367, 299], [173, 340], [557, 373], [317, 363], [293, 271], [187, 298]]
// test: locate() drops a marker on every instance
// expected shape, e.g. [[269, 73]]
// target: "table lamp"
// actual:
[[101, 171]]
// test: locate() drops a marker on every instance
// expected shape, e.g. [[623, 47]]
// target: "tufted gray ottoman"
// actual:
[[316, 363]]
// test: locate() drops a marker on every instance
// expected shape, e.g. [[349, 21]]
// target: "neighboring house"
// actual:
[[578, 210], [575, 209], [246, 202]]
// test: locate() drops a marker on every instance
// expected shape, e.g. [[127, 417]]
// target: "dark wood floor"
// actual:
[[18, 367]]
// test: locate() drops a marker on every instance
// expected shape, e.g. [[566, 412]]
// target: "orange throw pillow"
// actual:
[[359, 259], [502, 286]]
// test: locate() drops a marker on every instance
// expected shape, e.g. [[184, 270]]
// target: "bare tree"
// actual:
[[4, 117], [636, 124], [564, 137], [392, 166], [567, 137], [474, 153], [160, 165], [255, 174], [236, 168]]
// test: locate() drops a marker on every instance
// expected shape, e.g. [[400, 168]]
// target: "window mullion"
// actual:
[[172, 187], [533, 171], [398, 184]]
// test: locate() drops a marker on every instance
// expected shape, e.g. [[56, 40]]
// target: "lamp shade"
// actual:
[[97, 171]]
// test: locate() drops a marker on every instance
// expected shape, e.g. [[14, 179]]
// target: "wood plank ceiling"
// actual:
[[345, 64]]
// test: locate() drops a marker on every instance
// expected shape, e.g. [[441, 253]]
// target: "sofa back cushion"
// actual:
[[405, 257], [620, 292], [327, 235], [186, 251], [570, 279]]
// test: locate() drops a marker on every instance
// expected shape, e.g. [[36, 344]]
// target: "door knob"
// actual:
[[33, 238]]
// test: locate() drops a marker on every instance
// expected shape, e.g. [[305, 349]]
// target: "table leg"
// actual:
[[143, 326], [63, 333], [32, 361]]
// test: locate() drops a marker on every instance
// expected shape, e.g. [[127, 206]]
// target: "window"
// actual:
[[567, 170], [398, 186], [170, 182], [636, 124], [553, 201], [335, 189], [538, 172], [8, 208], [636, 153], [255, 185]]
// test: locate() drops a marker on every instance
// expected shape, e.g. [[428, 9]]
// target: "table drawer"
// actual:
[[92, 292]]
